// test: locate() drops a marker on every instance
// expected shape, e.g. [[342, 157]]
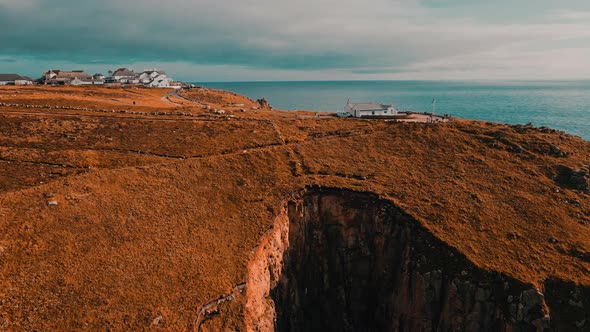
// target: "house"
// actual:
[[159, 82], [148, 75], [14, 79], [98, 76], [124, 75], [154, 79], [85, 81], [360, 110], [61, 77], [24, 80], [49, 75]]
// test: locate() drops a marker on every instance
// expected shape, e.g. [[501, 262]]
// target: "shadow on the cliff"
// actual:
[[340, 260], [569, 304], [358, 263]]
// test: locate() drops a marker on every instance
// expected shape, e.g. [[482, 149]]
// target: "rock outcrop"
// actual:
[[346, 261], [572, 178], [264, 104]]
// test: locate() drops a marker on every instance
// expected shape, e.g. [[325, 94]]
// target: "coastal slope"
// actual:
[[196, 211]]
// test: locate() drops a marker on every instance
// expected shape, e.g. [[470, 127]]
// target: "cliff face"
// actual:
[[338, 260]]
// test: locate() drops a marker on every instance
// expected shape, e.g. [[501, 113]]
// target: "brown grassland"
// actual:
[[121, 206]]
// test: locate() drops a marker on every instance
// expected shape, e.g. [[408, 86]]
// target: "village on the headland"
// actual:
[[151, 78], [155, 78]]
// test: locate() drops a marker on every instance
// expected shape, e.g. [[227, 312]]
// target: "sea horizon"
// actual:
[[399, 80], [559, 104]]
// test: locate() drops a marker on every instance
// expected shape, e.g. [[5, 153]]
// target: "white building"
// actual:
[[155, 79], [50, 74], [360, 110], [86, 81], [14, 79], [125, 75], [148, 75]]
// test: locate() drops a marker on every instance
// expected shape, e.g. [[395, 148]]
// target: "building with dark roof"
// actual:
[[61, 77], [124, 75], [14, 79]]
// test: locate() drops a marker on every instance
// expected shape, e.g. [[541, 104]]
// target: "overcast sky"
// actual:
[[241, 40]]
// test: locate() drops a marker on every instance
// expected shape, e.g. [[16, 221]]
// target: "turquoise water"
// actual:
[[563, 105]]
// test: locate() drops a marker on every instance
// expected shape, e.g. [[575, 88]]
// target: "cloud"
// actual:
[[570, 15], [17, 4], [521, 64], [347, 36]]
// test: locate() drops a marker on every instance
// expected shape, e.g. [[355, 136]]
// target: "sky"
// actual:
[[252, 40]]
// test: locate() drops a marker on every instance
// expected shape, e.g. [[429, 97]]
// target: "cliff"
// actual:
[[205, 211]]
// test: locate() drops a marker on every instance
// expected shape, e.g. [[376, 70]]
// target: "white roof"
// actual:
[[368, 106]]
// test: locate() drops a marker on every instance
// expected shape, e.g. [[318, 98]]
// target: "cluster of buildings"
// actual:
[[152, 78]]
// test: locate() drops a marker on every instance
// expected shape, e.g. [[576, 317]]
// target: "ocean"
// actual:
[[563, 105]]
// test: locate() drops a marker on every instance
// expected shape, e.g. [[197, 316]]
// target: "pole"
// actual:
[[433, 105]]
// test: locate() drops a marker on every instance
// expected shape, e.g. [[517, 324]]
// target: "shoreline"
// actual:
[[556, 104]]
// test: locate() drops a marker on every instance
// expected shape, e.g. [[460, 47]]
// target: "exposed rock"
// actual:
[[569, 304], [556, 152], [157, 320], [211, 317], [354, 263], [531, 303], [264, 103], [573, 179], [344, 261]]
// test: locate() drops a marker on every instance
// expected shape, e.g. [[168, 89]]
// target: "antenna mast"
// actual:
[[433, 105]]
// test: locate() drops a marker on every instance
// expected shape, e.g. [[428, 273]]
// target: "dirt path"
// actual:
[[122, 115], [189, 100], [174, 93], [166, 98]]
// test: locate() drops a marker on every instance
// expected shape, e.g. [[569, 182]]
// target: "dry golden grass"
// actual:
[[157, 214]]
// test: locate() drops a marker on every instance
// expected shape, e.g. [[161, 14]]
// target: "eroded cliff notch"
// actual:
[[339, 260]]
